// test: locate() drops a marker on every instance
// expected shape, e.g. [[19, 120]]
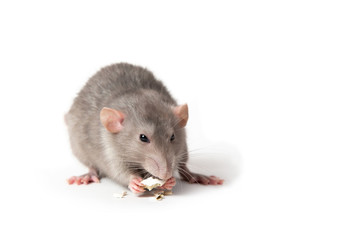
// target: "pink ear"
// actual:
[[182, 113], [112, 119]]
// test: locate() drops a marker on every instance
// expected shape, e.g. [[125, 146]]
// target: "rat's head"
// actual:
[[149, 138]]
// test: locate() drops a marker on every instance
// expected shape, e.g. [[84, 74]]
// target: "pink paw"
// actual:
[[84, 179], [169, 184], [136, 186]]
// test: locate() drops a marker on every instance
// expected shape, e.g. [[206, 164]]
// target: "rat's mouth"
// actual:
[[144, 174], [138, 170]]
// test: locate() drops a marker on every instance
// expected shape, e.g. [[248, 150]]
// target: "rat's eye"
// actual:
[[144, 138], [172, 138]]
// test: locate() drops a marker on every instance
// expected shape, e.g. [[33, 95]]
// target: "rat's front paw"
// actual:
[[169, 184], [136, 186]]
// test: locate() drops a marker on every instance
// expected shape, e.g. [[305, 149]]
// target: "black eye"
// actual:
[[144, 138], [172, 138]]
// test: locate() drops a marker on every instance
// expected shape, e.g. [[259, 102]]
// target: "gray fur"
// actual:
[[147, 105]]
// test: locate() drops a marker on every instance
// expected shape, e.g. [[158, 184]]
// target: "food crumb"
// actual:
[[120, 195], [169, 192], [159, 196]]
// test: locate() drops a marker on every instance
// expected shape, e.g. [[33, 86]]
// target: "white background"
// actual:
[[273, 90]]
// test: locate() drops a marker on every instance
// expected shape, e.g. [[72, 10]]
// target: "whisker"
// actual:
[[186, 174]]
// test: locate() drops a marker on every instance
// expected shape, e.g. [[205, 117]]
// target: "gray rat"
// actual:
[[125, 125]]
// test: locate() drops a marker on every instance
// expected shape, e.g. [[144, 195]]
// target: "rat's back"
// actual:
[[113, 81]]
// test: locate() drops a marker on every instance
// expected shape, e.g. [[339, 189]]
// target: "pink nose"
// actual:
[[157, 167]]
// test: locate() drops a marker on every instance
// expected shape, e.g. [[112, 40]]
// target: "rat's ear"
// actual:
[[112, 119], [182, 113]]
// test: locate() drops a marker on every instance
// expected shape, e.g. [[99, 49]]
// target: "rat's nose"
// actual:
[[157, 167]]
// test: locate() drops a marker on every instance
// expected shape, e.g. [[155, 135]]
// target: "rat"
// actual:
[[125, 125]]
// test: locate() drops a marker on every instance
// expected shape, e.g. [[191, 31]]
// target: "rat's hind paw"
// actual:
[[202, 179], [136, 186], [87, 178]]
